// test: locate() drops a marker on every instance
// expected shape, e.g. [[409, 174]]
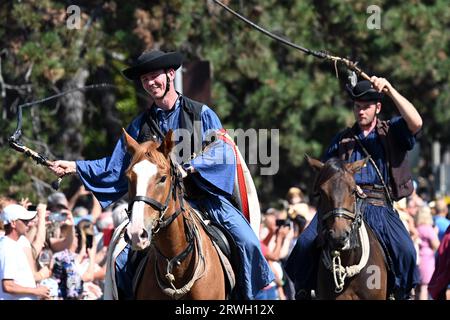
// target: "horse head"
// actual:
[[338, 212], [151, 183]]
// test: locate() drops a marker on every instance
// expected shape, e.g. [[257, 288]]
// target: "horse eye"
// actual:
[[163, 178]]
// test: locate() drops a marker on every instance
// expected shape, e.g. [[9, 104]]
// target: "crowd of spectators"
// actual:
[[63, 243]]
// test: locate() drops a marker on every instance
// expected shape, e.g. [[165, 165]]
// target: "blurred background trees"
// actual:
[[256, 82]]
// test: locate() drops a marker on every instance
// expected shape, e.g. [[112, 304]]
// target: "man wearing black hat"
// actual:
[[386, 174], [211, 170]]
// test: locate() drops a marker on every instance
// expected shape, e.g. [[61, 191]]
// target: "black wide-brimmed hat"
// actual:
[[152, 61], [363, 91]]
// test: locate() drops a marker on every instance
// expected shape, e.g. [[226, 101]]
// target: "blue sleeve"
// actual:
[[105, 177], [210, 122], [402, 135], [217, 163]]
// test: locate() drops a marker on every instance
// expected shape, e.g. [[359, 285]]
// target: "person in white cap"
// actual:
[[16, 276]]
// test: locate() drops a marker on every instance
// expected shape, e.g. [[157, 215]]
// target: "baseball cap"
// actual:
[[15, 212]]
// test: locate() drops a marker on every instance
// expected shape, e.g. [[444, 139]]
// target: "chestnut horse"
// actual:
[[182, 262], [352, 263]]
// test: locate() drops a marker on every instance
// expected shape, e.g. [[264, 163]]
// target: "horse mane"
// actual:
[[331, 167]]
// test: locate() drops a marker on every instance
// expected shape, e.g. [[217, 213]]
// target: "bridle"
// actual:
[[193, 237], [331, 259], [175, 190], [355, 215]]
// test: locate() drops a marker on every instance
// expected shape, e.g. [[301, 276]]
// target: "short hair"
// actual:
[[293, 192], [424, 216], [441, 206]]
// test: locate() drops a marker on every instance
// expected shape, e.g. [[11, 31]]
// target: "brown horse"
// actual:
[[182, 262], [352, 264]]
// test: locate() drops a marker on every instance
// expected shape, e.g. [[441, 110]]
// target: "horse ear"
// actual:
[[167, 144], [314, 163], [131, 144], [354, 167]]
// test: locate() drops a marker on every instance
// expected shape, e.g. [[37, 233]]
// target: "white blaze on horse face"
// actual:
[[144, 171]]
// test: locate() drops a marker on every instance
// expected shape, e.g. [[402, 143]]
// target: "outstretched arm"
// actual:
[[103, 177], [406, 108], [63, 167]]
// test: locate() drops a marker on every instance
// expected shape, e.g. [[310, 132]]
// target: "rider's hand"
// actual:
[[188, 168], [380, 84], [63, 167]]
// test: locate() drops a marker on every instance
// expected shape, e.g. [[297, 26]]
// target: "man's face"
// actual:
[[22, 226], [270, 221], [365, 112], [154, 83]]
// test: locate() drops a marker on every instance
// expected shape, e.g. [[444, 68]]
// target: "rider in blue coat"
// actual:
[[212, 169], [387, 142]]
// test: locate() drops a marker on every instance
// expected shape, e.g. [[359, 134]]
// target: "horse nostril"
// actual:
[[144, 234]]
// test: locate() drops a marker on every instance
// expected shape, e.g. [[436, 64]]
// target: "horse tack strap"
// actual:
[[177, 259], [164, 223], [155, 204], [380, 176], [339, 212], [200, 269]]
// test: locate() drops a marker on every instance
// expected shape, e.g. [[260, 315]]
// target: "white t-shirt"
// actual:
[[14, 265]]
